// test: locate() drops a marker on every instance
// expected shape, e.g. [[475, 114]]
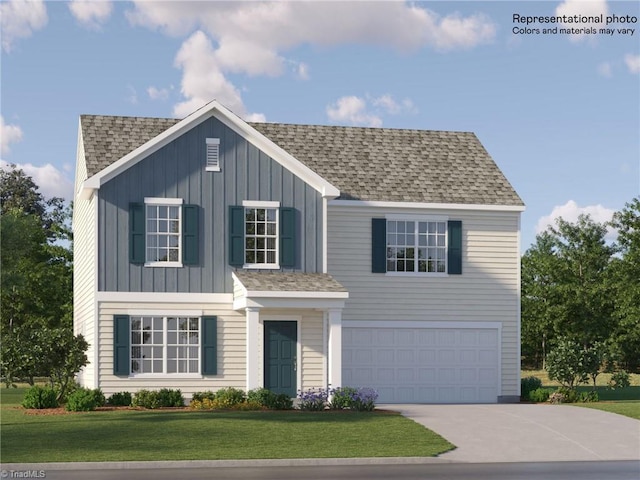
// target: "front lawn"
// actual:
[[126, 435], [628, 408], [623, 401]]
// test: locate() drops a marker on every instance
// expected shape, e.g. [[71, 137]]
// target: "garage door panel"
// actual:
[[423, 365]]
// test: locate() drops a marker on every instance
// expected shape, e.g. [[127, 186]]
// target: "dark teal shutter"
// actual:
[[209, 360], [136, 233], [121, 350], [454, 255], [378, 245], [236, 236], [190, 244], [288, 237]]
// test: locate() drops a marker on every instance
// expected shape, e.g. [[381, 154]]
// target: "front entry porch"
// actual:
[[293, 329]]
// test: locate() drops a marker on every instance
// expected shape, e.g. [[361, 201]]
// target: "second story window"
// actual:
[[261, 236], [416, 246], [163, 231]]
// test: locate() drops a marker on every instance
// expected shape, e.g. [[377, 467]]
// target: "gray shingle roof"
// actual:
[[107, 138], [384, 164], [288, 281], [377, 164]]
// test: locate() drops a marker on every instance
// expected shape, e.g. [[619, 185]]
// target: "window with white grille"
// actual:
[[213, 154]]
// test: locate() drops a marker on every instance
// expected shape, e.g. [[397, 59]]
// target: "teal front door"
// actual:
[[280, 348]]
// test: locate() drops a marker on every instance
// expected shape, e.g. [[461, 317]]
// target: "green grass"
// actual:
[[126, 435], [628, 409], [623, 401]]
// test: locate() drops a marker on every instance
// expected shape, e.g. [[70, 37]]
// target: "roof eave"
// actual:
[[232, 121]]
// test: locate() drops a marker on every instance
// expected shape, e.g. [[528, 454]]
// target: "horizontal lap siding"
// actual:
[[231, 351], [84, 270], [487, 290]]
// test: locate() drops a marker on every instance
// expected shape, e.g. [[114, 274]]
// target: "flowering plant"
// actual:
[[312, 399], [359, 399]]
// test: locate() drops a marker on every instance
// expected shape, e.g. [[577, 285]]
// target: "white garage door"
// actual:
[[422, 364]]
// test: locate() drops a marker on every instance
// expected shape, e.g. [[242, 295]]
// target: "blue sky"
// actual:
[[560, 114]]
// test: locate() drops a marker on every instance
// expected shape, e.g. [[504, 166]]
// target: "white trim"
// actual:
[[261, 266], [158, 376], [286, 318], [417, 274], [297, 294], [212, 109], [427, 206], [312, 303], [163, 264], [162, 201], [144, 312], [325, 348], [334, 347], [415, 217], [162, 297], [418, 324], [212, 169], [519, 309], [260, 204], [212, 141], [325, 236], [253, 332], [96, 309]]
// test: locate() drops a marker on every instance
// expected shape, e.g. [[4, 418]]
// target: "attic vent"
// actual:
[[213, 155]]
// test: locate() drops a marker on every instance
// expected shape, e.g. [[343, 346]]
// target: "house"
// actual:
[[211, 252]]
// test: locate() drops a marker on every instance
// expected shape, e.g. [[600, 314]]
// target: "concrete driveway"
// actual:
[[528, 433]]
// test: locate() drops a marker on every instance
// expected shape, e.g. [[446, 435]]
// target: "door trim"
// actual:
[[286, 318]]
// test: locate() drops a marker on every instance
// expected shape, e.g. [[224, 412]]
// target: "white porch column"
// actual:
[[335, 347], [253, 336]]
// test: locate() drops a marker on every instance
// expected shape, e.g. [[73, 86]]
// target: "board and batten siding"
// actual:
[[178, 171], [85, 270], [487, 291], [231, 350]]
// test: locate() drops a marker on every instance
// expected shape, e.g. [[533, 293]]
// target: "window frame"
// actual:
[[164, 316], [419, 219], [163, 202], [266, 205]]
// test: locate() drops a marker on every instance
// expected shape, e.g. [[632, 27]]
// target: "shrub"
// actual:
[[229, 397], [281, 401], [619, 379], [587, 397], [170, 398], [215, 404], [342, 398], [566, 363], [199, 396], [312, 399], [364, 400], [568, 395], [145, 399], [557, 397], [539, 395], [160, 399], [120, 399], [40, 397], [528, 385], [84, 400]]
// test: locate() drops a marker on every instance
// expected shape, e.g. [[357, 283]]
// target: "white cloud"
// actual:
[[586, 8], [604, 69], [367, 111], [353, 110], [158, 93], [633, 63], [132, 95], [570, 212], [19, 18], [91, 13], [8, 134], [388, 103], [52, 182], [252, 37]]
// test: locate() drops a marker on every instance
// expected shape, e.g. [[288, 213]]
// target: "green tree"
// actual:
[[564, 292], [36, 290], [625, 277]]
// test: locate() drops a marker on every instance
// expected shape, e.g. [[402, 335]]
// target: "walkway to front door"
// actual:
[[280, 345]]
